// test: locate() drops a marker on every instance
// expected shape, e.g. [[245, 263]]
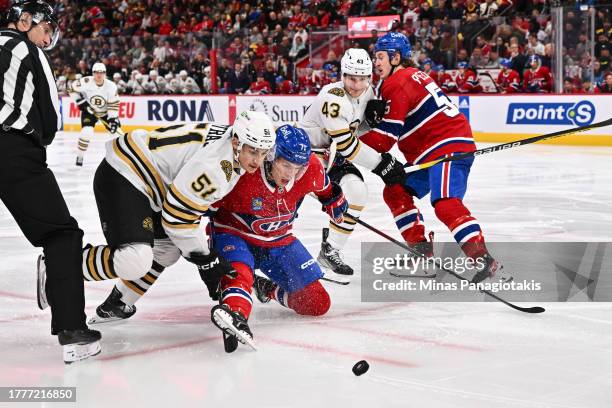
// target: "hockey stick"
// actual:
[[488, 74], [118, 132], [534, 309], [504, 146]]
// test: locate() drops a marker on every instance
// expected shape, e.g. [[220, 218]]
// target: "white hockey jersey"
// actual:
[[335, 116], [182, 169], [102, 99]]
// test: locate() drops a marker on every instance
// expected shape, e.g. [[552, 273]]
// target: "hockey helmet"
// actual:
[[98, 67], [40, 11], [462, 65], [255, 129], [394, 43], [505, 62], [293, 145], [356, 61], [534, 58]]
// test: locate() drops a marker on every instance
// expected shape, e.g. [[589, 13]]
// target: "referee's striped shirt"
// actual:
[[30, 102]]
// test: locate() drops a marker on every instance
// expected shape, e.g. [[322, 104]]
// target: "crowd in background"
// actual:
[[159, 46]]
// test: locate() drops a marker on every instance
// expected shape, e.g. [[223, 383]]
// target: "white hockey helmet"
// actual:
[[98, 67], [116, 75], [356, 61], [183, 73], [152, 73], [254, 129]]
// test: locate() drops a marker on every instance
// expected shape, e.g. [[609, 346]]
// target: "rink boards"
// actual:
[[494, 118]]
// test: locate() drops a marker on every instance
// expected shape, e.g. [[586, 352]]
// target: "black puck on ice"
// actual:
[[360, 367]]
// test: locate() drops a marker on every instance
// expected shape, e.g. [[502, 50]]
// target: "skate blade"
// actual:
[[41, 296], [225, 322], [333, 277], [101, 320], [79, 352]]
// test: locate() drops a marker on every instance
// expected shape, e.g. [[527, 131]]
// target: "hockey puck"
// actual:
[[360, 367]]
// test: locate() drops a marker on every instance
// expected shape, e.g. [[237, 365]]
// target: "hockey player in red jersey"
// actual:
[[445, 81], [508, 80], [537, 79], [424, 123], [252, 229], [467, 80]]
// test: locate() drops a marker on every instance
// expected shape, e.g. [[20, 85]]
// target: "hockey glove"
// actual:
[[375, 111], [390, 170], [336, 204], [113, 124], [84, 106], [212, 268]]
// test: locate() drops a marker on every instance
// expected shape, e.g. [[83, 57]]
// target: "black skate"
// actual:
[[263, 287], [79, 161], [79, 344], [113, 309], [491, 268], [330, 259], [233, 325], [41, 279]]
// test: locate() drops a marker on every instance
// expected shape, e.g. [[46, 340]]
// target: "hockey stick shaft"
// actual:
[[413, 252], [510, 145]]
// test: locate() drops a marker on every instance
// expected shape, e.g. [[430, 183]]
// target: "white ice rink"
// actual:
[[472, 355]]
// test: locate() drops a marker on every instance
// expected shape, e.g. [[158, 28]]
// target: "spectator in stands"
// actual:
[[298, 49], [238, 80], [534, 45], [456, 11], [476, 59], [156, 85]]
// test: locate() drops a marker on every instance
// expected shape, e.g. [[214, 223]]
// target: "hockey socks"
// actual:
[[311, 300], [407, 217]]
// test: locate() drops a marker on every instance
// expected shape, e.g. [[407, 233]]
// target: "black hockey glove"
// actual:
[[113, 124], [84, 106], [375, 111], [390, 170], [212, 268]]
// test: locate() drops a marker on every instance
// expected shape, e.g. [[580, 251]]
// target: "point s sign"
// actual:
[[579, 114]]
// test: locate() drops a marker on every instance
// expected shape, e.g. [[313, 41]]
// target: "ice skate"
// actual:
[[232, 324], [491, 269], [113, 309], [79, 344]]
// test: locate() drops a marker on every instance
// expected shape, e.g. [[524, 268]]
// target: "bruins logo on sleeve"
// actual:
[[227, 168], [337, 91]]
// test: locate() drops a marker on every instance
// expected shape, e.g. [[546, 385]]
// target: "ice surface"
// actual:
[[421, 354]]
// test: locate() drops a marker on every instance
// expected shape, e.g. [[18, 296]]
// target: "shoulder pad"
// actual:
[[337, 92]]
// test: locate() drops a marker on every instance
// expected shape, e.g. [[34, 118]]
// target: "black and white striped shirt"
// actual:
[[30, 102]]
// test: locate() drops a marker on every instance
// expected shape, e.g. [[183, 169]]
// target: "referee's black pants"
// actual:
[[30, 192]]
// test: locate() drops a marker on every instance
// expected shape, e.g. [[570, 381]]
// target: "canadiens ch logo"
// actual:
[[226, 166], [257, 204], [147, 224], [268, 225]]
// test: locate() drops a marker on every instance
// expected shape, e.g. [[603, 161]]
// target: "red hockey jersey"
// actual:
[[468, 82], [263, 214], [538, 81], [420, 118], [509, 81]]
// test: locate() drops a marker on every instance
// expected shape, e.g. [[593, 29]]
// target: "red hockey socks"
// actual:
[[408, 218], [311, 300], [236, 293], [465, 228]]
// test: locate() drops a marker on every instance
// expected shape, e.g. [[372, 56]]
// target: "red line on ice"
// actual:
[[16, 295], [414, 339]]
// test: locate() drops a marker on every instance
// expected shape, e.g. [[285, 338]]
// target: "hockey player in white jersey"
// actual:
[[98, 100], [187, 84], [166, 179], [121, 84], [334, 122], [156, 85]]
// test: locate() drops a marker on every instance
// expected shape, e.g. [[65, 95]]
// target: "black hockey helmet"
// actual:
[[40, 11]]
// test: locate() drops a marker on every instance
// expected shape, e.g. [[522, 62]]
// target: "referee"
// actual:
[[29, 118]]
